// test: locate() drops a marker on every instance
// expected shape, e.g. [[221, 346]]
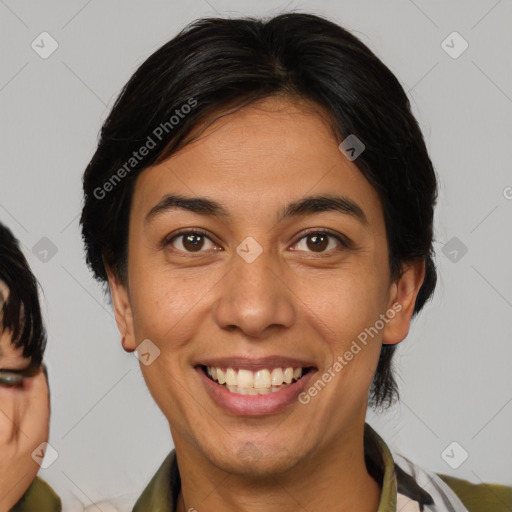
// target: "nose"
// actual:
[[255, 298]]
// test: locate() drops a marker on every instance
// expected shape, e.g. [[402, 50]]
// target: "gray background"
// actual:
[[454, 367]]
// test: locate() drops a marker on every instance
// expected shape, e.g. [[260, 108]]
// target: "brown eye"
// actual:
[[320, 241], [191, 241], [317, 243]]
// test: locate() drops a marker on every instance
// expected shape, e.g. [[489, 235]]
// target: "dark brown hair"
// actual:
[[20, 313]]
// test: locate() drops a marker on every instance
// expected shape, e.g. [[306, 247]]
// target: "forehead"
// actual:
[[258, 158]]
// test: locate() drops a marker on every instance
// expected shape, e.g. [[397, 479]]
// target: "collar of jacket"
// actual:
[[162, 491], [39, 496]]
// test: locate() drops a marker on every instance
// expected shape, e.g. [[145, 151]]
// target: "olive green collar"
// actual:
[[162, 491], [39, 496]]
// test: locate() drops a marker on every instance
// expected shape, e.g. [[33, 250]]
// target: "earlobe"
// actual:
[[402, 300], [122, 311], [126, 346]]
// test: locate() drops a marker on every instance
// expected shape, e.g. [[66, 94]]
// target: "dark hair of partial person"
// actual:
[[226, 64], [21, 312]]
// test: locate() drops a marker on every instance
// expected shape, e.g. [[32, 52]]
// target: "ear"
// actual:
[[122, 310], [402, 299]]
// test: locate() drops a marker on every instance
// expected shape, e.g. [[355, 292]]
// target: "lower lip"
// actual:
[[254, 405]]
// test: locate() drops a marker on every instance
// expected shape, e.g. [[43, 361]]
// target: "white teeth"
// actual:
[[252, 391], [261, 379], [245, 379], [237, 390], [276, 377], [231, 379], [247, 382]]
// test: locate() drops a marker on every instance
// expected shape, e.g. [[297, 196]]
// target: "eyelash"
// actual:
[[344, 242]]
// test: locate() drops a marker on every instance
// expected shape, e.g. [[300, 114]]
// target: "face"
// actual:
[[272, 282], [24, 422]]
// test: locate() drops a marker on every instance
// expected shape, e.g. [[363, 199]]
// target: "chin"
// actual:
[[255, 460]]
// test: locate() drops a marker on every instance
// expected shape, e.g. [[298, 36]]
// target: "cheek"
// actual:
[[342, 305], [168, 305], [345, 310], [164, 312], [353, 350], [160, 310]]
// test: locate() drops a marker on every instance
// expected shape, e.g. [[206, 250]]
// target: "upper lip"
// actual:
[[259, 363]]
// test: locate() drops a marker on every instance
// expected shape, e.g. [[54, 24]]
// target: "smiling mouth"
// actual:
[[260, 382]]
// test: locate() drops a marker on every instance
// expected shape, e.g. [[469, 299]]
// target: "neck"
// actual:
[[334, 478]]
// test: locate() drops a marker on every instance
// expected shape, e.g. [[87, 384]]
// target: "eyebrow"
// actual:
[[303, 206]]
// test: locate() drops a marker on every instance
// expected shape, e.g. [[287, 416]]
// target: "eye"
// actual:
[[191, 241], [321, 241]]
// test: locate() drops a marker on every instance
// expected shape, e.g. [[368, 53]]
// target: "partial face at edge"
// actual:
[[306, 296]]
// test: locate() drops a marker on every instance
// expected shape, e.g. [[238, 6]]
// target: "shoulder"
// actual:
[[450, 493], [39, 496], [480, 497]]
